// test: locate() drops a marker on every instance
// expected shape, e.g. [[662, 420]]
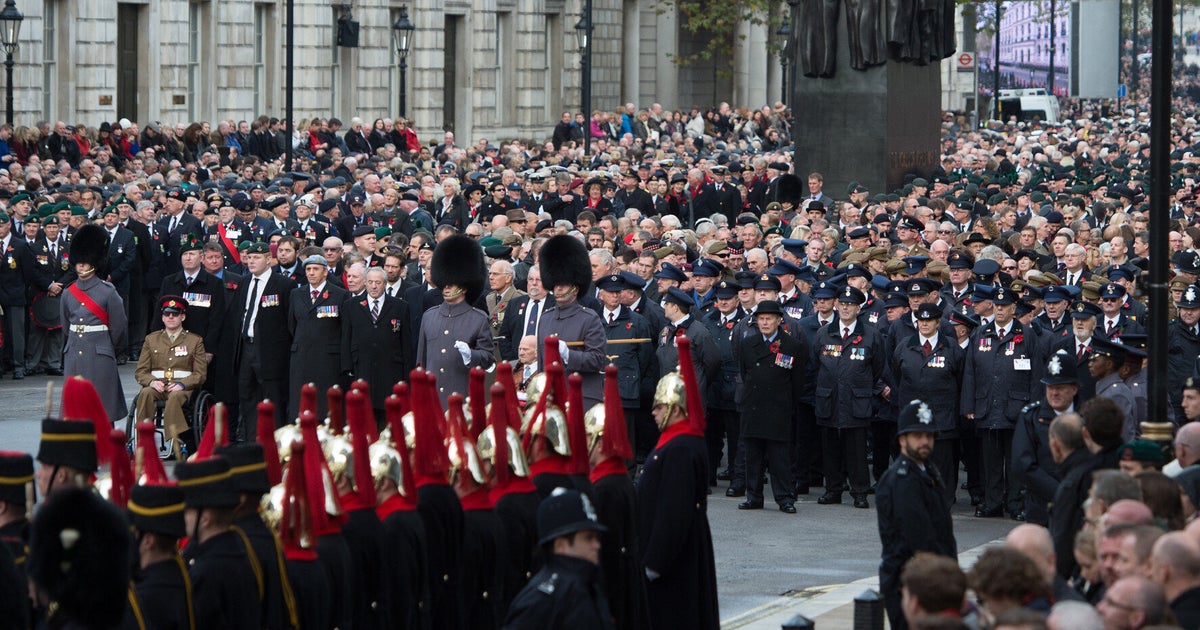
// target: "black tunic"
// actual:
[[518, 512], [224, 587], [443, 517], [484, 561], [676, 542], [333, 554], [624, 577], [278, 600], [310, 583], [369, 582], [405, 555], [165, 594]]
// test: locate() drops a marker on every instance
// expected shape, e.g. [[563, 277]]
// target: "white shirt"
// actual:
[[842, 327], [932, 341], [610, 315], [1109, 322], [393, 289], [253, 306]]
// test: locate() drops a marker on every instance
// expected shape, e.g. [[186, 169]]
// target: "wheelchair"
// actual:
[[195, 411]]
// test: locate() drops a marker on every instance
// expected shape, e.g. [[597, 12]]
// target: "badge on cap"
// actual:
[[915, 287], [1190, 294], [1055, 366], [924, 415], [768, 277]]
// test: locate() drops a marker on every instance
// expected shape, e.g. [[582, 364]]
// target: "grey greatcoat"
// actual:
[[92, 354], [573, 322], [443, 325]]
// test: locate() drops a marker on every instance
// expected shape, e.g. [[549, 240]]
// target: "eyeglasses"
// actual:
[[945, 231], [1009, 268]]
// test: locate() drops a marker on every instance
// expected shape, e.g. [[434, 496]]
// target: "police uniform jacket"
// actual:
[[1124, 325], [443, 325], [1031, 458], [316, 328], [1003, 374], [706, 359], [1114, 388], [225, 588], [1183, 346], [272, 334], [675, 539], [723, 390], [910, 504], [566, 593], [122, 254], [773, 375], [164, 591], [91, 353], [381, 351], [935, 380], [206, 305], [634, 361], [573, 322], [849, 375]]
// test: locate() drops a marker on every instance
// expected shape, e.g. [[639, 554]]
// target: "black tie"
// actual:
[[531, 327], [253, 307]]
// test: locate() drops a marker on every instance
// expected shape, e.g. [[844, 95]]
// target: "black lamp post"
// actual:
[[583, 33], [402, 35], [785, 41], [10, 28]]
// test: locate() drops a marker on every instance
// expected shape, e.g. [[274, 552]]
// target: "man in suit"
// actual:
[[1075, 272], [500, 280], [725, 196], [176, 225], [18, 272], [315, 323], [287, 250], [377, 340], [259, 312], [205, 296], [523, 315], [816, 185]]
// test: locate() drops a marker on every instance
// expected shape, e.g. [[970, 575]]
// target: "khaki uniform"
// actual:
[[184, 355]]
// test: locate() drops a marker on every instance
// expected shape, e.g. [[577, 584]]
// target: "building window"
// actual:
[[260, 55], [193, 60], [335, 68], [505, 88], [49, 59]]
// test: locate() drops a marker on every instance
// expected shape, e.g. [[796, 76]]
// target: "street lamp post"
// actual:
[[402, 32], [10, 28], [288, 76], [785, 40], [583, 33]]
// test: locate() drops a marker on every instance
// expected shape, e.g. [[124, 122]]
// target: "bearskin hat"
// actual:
[[563, 260], [458, 260], [80, 556], [790, 189], [90, 245]]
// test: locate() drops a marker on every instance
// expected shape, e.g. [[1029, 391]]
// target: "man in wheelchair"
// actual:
[[172, 366]]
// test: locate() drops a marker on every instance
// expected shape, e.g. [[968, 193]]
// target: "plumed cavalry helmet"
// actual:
[[547, 417], [504, 454], [465, 466], [679, 388]]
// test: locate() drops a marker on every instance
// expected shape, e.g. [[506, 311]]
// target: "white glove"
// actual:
[[651, 574], [564, 351], [464, 350]]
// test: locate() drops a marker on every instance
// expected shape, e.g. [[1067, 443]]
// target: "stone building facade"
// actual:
[[483, 68]]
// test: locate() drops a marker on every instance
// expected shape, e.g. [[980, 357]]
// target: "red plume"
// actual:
[[119, 470], [456, 429], [316, 471], [296, 528], [615, 442], [395, 407], [358, 411], [216, 432], [498, 419], [576, 433], [266, 438], [337, 410], [476, 392], [431, 462], [371, 428], [550, 393], [308, 398], [551, 356], [687, 369], [80, 401], [150, 470], [510, 396]]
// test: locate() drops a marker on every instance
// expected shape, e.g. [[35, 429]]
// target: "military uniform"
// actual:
[[912, 512], [441, 327], [206, 305], [573, 322], [228, 235], [634, 361], [92, 341], [184, 357], [164, 591], [18, 272], [45, 347]]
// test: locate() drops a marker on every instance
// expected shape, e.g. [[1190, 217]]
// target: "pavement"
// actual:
[[770, 566]]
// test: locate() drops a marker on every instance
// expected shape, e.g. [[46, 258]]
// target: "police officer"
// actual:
[[928, 365], [910, 503], [566, 594], [723, 421], [851, 362], [1183, 345], [773, 367], [1105, 367], [1080, 343], [1004, 366], [635, 361], [1032, 459]]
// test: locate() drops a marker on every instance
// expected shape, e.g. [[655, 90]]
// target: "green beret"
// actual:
[[189, 244], [18, 198], [122, 200], [50, 219], [4, 218], [46, 209], [78, 211], [489, 241], [244, 245], [109, 210], [258, 247], [1142, 451], [33, 218], [382, 231]]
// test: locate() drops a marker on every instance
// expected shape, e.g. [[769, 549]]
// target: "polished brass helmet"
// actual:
[[593, 425], [472, 465], [410, 437], [486, 445], [533, 393], [284, 436], [386, 464], [340, 455], [672, 393], [552, 425], [271, 506]]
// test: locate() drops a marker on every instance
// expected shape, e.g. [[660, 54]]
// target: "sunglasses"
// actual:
[[1009, 268]]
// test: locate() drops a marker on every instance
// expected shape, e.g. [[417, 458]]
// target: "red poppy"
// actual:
[[364, 302], [628, 325], [1018, 338], [857, 339], [729, 325], [325, 295], [774, 347]]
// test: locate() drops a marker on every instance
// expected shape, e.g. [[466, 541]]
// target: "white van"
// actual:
[[1028, 105]]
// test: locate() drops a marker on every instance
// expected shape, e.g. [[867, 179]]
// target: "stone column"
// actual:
[[750, 66], [666, 70], [631, 51]]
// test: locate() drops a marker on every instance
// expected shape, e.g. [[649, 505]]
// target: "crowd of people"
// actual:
[[979, 328]]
